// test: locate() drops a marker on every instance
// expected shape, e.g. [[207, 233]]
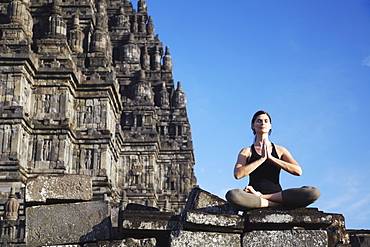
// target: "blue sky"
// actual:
[[305, 62]]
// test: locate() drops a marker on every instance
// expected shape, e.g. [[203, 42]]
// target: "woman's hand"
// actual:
[[250, 189], [266, 150]]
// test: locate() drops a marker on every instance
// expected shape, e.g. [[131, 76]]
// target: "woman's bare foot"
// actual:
[[264, 201], [250, 189]]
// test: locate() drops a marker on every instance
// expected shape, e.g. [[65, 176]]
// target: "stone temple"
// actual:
[[96, 146], [87, 89]]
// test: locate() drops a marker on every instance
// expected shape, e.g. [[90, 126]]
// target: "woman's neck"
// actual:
[[260, 138]]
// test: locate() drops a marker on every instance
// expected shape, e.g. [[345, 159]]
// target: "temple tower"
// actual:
[[87, 89]]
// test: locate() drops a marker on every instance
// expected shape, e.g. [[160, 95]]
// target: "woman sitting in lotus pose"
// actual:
[[262, 162]]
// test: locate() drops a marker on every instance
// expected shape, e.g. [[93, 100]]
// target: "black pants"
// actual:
[[295, 197]]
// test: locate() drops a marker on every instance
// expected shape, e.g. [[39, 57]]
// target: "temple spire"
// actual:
[[57, 26], [76, 36], [150, 26], [156, 60], [141, 6], [131, 52], [164, 96], [145, 59], [15, 11], [179, 99], [167, 60], [122, 20]]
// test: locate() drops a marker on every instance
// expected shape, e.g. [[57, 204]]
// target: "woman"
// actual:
[[263, 162]]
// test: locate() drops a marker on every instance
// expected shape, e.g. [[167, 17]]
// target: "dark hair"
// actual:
[[255, 117]]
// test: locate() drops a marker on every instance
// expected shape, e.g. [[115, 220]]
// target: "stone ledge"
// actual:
[[198, 220], [286, 219], [129, 242], [286, 238], [59, 187], [209, 239], [150, 220]]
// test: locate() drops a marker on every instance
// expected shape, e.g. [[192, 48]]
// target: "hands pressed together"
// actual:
[[266, 150]]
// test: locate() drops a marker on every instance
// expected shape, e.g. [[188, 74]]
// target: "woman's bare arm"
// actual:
[[243, 169], [286, 162]]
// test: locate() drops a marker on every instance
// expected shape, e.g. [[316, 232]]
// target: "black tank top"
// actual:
[[266, 178]]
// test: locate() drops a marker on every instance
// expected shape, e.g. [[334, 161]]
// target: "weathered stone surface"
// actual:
[[286, 238], [150, 220], [147, 242], [198, 220], [64, 245], [360, 238], [282, 218], [205, 239], [204, 201], [62, 187], [67, 223], [129, 242], [337, 232]]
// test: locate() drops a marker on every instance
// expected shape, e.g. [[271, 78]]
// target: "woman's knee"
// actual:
[[241, 200], [300, 197], [312, 193], [233, 195]]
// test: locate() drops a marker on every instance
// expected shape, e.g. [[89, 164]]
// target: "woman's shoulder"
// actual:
[[280, 149], [245, 151]]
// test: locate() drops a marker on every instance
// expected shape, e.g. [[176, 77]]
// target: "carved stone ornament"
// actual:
[[11, 207]]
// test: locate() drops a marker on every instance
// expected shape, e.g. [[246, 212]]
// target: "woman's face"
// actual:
[[262, 124]]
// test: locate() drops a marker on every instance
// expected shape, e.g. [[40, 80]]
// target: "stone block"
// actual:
[[285, 238], [150, 220], [64, 245], [360, 238], [337, 232], [204, 201], [62, 187], [198, 220], [286, 219], [209, 239], [67, 223], [129, 242]]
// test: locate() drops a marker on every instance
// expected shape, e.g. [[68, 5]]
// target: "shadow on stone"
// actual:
[[100, 231], [204, 201], [139, 207]]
